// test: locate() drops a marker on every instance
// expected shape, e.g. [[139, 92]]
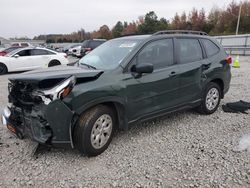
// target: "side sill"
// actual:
[[163, 112]]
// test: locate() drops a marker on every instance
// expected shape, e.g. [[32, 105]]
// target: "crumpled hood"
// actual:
[[57, 72]]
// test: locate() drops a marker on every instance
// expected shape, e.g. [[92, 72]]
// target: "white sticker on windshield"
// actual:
[[127, 45]]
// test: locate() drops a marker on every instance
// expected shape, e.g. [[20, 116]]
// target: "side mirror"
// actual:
[[143, 68], [16, 56], [139, 69]]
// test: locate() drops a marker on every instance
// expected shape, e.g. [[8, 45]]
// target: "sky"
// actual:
[[30, 18]]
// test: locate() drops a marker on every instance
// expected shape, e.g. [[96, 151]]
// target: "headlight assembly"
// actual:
[[60, 91]]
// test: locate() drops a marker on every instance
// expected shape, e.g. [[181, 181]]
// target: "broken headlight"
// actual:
[[60, 91]]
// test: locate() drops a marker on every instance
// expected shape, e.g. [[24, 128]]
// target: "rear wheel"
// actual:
[[211, 99], [94, 130], [3, 69], [54, 63]]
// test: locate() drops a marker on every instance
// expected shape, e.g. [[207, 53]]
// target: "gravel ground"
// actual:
[[181, 150]]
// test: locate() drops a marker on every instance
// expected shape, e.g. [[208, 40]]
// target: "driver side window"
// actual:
[[24, 53], [160, 53]]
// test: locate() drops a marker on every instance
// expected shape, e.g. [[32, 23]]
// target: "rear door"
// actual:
[[158, 90], [41, 58], [191, 64]]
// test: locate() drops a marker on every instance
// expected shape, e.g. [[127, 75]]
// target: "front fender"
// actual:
[[120, 107]]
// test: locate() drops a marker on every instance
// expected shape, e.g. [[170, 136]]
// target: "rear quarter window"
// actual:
[[210, 47]]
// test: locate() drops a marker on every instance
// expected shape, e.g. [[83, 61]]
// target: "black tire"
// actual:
[[54, 63], [84, 130], [3, 69], [203, 108]]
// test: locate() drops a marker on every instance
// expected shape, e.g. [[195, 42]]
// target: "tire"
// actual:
[[54, 63], [3, 69], [210, 102], [86, 131]]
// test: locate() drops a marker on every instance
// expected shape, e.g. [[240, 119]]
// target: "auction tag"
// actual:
[[127, 45]]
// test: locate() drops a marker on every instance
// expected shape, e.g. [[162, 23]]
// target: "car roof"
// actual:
[[163, 35], [181, 35], [31, 48], [133, 37]]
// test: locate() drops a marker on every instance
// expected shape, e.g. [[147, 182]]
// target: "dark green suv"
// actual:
[[124, 80]]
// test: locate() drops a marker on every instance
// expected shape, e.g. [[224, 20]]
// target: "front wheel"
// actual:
[[94, 130], [3, 69], [211, 99]]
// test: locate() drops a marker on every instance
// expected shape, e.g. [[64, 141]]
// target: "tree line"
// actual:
[[217, 22]]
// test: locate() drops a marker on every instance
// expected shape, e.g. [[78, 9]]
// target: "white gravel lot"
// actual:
[[180, 150]]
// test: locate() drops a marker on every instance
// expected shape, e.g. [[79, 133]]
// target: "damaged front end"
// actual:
[[40, 113]]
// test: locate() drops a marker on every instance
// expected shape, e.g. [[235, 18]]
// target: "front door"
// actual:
[[155, 91], [23, 61]]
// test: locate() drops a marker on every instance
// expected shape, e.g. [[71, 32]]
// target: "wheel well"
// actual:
[[54, 61], [221, 84], [118, 110], [4, 65]]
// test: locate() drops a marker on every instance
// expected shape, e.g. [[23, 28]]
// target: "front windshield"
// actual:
[[110, 54]]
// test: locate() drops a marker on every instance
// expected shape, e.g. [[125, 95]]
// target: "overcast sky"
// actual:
[[33, 17]]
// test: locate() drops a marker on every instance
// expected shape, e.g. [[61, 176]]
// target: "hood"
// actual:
[[58, 73]]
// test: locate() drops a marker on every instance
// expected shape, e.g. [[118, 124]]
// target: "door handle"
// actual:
[[206, 66], [172, 74]]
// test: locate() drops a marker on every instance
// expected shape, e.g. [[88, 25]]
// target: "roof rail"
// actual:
[[180, 32]]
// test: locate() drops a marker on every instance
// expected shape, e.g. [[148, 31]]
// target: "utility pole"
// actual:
[[238, 23]]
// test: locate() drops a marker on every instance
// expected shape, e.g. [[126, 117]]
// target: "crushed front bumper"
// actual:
[[6, 121], [45, 124]]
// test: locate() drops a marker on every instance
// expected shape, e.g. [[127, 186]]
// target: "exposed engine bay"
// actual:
[[36, 108]]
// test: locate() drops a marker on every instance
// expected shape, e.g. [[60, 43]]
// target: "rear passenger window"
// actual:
[[40, 52], [189, 50], [210, 47], [160, 53]]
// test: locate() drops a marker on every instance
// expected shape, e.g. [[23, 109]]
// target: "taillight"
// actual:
[[65, 56], [88, 49], [229, 60]]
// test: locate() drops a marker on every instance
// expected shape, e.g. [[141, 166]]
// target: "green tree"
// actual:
[[117, 30], [151, 24]]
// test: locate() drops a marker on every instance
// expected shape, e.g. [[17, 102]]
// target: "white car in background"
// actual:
[[75, 51], [31, 58], [21, 44]]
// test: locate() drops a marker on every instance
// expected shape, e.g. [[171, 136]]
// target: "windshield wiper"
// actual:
[[87, 65]]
